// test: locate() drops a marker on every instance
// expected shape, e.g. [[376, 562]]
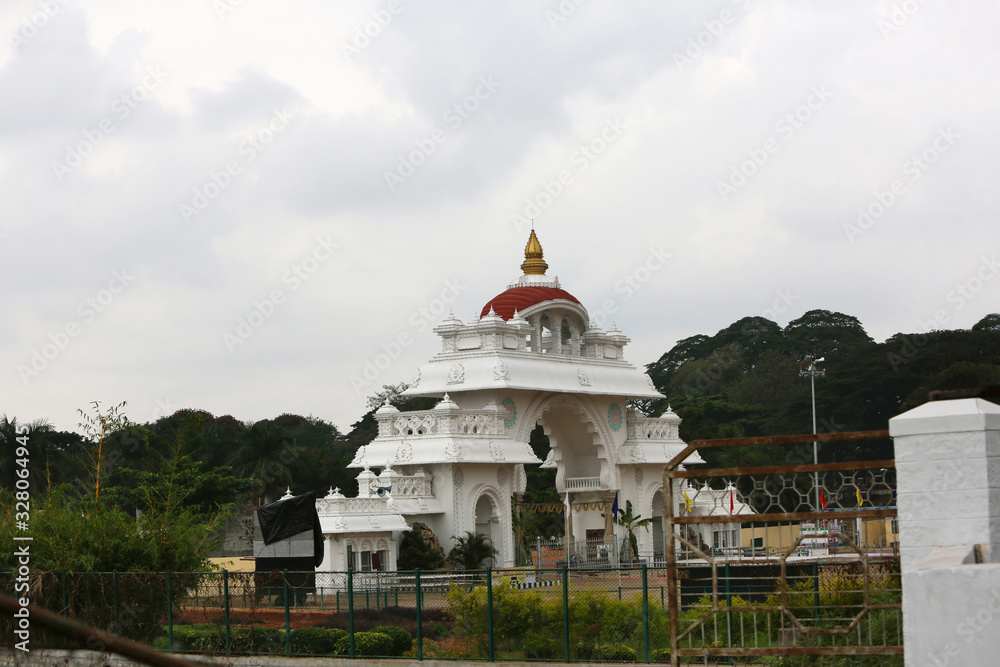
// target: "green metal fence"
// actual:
[[562, 615]]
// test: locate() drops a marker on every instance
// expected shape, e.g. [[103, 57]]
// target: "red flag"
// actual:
[[730, 501], [822, 499]]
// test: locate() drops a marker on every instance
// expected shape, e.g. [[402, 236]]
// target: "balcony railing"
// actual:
[[583, 483], [645, 428], [467, 423]]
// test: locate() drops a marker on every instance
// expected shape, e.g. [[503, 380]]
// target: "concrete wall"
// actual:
[[951, 610], [948, 499]]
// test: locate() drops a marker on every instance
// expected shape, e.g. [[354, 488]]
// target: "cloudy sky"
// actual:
[[237, 205]]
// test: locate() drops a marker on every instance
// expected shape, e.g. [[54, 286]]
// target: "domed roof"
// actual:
[[533, 287], [519, 298]]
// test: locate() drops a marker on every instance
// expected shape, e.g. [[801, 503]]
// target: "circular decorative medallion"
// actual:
[[459, 477], [615, 416], [638, 475], [502, 476], [509, 412]]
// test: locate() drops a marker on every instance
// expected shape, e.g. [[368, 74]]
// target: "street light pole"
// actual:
[[812, 372]]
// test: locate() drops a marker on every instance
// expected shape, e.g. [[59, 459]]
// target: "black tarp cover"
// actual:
[[284, 518]]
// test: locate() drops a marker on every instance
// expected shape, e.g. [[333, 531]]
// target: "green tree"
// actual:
[[471, 551], [97, 427], [415, 553], [631, 522], [11, 435]]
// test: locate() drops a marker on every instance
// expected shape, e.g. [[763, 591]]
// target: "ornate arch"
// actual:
[[597, 427], [502, 503]]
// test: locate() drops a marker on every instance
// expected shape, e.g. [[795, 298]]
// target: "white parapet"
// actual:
[[948, 500], [948, 476]]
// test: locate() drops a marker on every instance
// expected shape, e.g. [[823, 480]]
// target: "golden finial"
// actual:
[[533, 264]]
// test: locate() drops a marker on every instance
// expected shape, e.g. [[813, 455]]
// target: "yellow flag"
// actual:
[[857, 492], [687, 501]]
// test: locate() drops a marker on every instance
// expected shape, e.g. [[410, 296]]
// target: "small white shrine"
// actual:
[[532, 357]]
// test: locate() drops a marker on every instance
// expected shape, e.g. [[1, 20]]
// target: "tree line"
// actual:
[[107, 489]]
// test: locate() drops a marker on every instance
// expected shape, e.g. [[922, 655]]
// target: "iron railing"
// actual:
[[521, 614], [835, 594]]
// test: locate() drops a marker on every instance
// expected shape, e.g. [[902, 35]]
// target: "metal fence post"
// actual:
[[645, 614], [816, 590], [65, 605], [288, 617], [65, 596], [350, 610], [565, 601], [170, 615], [225, 600], [418, 600], [729, 615], [489, 614], [115, 610]]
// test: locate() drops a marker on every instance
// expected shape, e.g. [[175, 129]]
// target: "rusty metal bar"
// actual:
[[674, 539], [92, 636], [771, 470], [673, 601], [787, 516], [790, 650], [791, 439], [775, 440]]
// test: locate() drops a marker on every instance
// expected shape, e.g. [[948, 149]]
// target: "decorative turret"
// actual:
[[533, 264]]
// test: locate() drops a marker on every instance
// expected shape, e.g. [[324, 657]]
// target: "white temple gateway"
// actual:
[[531, 358]]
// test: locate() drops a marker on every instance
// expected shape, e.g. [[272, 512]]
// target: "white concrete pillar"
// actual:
[[948, 499], [948, 477]]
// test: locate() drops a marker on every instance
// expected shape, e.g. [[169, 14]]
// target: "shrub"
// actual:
[[257, 640], [660, 655], [615, 652], [528, 621], [316, 641], [402, 640], [198, 638], [540, 647], [368, 644]]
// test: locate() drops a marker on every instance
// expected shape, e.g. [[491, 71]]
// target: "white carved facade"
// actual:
[[533, 357]]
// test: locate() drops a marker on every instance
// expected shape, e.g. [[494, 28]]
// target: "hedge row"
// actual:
[[383, 641]]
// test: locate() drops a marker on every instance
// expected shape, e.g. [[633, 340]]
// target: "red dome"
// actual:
[[520, 298]]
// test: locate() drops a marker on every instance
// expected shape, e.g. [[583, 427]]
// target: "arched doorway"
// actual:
[[583, 471], [488, 523], [659, 544]]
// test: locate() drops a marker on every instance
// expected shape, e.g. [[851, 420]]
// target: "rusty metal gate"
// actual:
[[835, 578]]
